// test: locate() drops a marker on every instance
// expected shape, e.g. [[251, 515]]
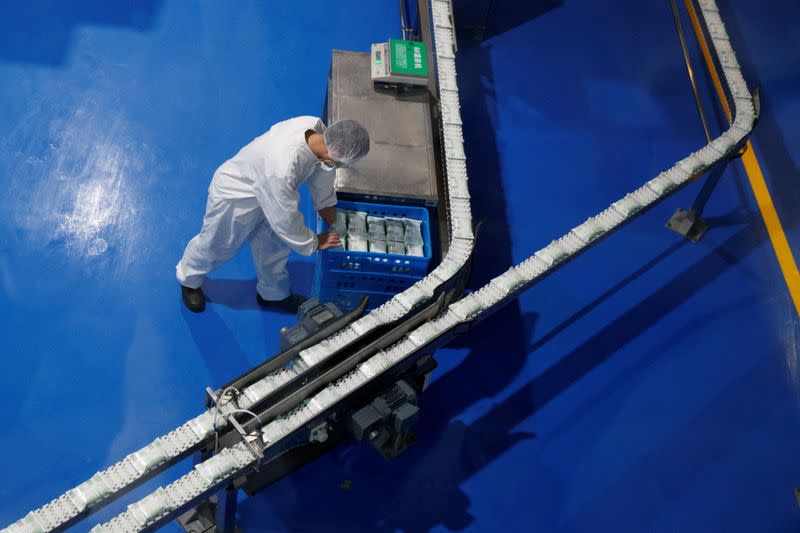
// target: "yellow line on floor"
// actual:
[[756, 177]]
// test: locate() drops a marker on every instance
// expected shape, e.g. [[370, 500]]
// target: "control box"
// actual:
[[312, 317], [400, 62]]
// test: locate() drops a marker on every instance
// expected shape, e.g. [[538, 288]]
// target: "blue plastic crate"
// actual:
[[375, 262], [366, 281], [346, 288], [344, 277]]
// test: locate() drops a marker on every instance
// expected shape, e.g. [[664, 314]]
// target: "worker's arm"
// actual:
[[323, 194], [328, 214], [281, 206]]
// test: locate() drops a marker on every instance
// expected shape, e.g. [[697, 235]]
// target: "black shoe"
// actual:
[[194, 299], [290, 304]]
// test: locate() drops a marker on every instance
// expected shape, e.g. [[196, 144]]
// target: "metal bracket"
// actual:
[[216, 398], [319, 433], [213, 399], [687, 223], [756, 95], [215, 515], [249, 439]]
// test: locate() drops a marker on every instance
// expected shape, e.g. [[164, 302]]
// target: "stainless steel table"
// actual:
[[401, 163]]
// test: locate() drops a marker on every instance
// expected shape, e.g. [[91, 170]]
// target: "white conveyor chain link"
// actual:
[[119, 476], [230, 462]]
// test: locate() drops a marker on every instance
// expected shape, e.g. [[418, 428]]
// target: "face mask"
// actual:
[[327, 167]]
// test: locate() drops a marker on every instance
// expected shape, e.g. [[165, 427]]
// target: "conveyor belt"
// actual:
[[227, 464], [101, 489]]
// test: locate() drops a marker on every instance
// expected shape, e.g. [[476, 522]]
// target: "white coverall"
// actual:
[[255, 196]]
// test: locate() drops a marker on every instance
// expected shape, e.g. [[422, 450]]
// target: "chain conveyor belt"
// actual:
[[210, 475]]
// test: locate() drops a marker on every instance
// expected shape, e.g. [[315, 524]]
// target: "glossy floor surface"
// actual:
[[652, 385]]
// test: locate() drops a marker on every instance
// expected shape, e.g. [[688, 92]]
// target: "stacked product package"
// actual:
[[362, 232]]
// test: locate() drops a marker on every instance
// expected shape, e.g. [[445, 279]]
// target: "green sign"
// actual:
[[408, 57]]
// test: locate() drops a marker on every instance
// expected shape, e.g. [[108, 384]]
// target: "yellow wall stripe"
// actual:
[[756, 177], [773, 223]]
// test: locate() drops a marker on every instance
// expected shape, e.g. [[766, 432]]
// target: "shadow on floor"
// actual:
[[233, 293], [699, 444], [451, 451], [214, 340], [241, 293]]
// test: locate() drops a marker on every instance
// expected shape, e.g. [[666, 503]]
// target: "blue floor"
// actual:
[[651, 385]]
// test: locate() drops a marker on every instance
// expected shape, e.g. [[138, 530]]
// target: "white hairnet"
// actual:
[[347, 141]]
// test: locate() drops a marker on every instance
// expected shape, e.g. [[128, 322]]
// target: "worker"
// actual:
[[255, 196]]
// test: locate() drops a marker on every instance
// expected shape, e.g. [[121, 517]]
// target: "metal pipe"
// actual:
[[403, 23], [689, 68]]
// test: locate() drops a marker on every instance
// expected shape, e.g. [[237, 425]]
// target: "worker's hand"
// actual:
[[328, 214], [327, 240]]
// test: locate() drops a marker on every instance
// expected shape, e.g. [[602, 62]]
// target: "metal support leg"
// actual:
[[689, 222], [226, 510], [215, 515]]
